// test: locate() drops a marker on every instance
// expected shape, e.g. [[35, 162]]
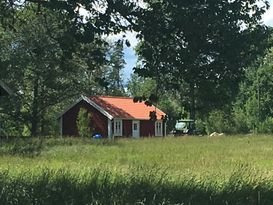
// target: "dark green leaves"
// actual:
[[201, 42]]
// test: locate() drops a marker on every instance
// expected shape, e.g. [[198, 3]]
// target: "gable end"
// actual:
[[90, 102]]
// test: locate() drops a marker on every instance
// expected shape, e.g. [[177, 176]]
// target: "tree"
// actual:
[[116, 65], [70, 57], [205, 45], [42, 70], [140, 86], [103, 17], [255, 99], [171, 102]]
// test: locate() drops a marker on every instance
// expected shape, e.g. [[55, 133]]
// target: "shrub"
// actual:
[[266, 127], [218, 121], [29, 147], [240, 120], [83, 123], [200, 126]]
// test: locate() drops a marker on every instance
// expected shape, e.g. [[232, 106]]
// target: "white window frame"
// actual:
[[118, 127], [159, 132]]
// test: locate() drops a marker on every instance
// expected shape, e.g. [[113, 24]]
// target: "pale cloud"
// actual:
[[268, 16]]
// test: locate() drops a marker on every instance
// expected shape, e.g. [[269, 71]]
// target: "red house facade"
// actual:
[[114, 117]]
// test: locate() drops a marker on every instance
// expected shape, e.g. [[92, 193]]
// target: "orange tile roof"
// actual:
[[125, 108]]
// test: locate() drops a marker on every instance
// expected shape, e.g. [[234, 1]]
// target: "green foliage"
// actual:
[[253, 106], [140, 86], [266, 126], [48, 66], [84, 123], [219, 121], [200, 126], [187, 42], [50, 52], [240, 120], [114, 71], [9, 127]]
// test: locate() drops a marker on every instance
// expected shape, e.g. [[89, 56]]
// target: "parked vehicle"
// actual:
[[183, 127]]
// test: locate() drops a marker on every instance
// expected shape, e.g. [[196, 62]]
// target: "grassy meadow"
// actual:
[[179, 155], [171, 170]]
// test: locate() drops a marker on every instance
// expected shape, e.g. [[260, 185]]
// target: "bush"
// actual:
[[218, 121], [240, 121], [266, 127], [200, 126], [83, 123]]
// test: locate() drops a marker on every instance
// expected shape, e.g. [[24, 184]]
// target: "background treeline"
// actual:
[[249, 108], [201, 60]]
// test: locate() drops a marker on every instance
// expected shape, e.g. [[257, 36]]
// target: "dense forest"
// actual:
[[210, 61]]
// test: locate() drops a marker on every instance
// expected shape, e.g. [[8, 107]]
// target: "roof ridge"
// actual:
[[109, 96]]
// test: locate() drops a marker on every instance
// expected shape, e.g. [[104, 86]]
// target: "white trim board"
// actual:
[[99, 108], [5, 87], [69, 107]]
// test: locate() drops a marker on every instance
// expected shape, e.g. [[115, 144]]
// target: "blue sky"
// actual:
[[131, 58]]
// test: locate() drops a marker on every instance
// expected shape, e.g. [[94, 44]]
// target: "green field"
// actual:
[[216, 170], [194, 155]]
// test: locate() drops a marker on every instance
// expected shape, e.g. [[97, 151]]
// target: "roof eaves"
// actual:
[[69, 107], [99, 108]]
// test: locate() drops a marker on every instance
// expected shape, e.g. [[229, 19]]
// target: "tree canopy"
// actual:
[[205, 44]]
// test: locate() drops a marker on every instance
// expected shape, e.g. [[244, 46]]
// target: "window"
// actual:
[[135, 126], [158, 128], [118, 127]]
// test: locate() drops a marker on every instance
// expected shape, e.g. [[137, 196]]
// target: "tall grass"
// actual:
[[189, 170], [139, 186]]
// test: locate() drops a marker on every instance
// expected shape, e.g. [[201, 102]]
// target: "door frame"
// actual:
[[159, 132]]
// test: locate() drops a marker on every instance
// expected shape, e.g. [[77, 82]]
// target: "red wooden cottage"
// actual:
[[114, 116]]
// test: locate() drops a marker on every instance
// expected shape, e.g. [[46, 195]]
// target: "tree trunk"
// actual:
[[43, 123], [192, 106], [192, 101], [34, 116]]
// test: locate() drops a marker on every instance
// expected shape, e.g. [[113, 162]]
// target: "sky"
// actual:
[[131, 59]]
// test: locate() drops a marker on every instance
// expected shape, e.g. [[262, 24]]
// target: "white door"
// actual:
[[135, 128]]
